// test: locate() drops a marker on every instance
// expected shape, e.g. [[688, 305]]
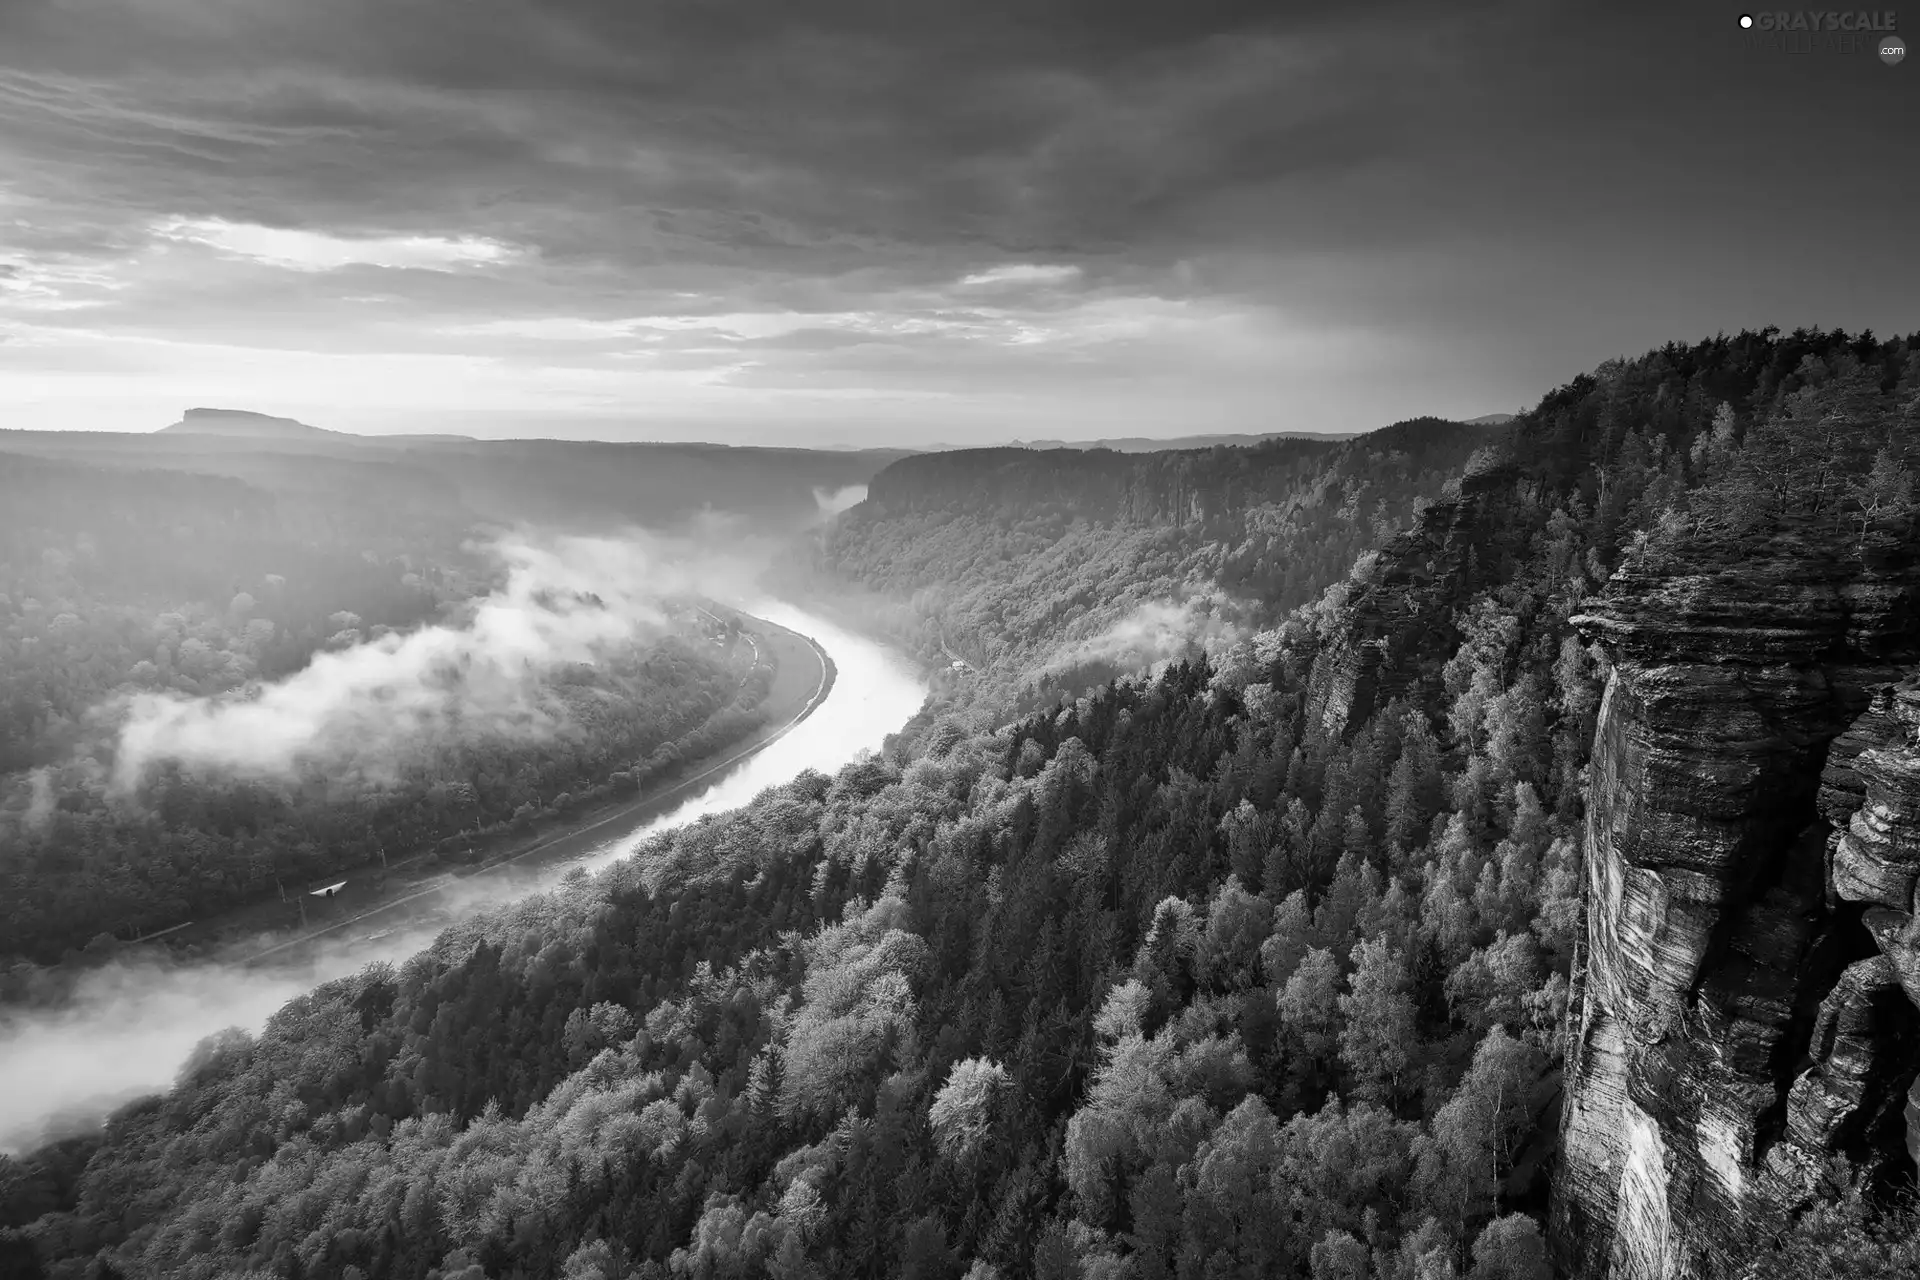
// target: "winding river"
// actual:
[[131, 1027]]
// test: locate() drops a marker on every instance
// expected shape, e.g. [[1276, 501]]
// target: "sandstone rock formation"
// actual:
[[1399, 622], [1746, 1005]]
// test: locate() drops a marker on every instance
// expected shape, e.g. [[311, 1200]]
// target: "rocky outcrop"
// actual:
[[1745, 1005], [246, 423], [1205, 488], [1396, 622]]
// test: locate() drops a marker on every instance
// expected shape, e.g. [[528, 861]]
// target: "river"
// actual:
[[131, 1026]]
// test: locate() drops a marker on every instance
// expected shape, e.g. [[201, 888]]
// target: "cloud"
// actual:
[[368, 706], [1153, 632], [846, 184], [40, 800], [653, 215], [643, 136], [1022, 273], [833, 502], [548, 329], [299, 250], [125, 1028], [54, 284]]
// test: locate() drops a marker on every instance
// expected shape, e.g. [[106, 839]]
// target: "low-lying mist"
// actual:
[[565, 599], [125, 1030], [834, 501], [1143, 641], [127, 1027], [1155, 632]]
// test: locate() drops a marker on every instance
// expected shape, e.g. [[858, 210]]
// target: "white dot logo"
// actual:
[[1746, 20], [1892, 49]]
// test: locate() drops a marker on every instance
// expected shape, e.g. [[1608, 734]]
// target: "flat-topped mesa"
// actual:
[[246, 424], [1735, 1024]]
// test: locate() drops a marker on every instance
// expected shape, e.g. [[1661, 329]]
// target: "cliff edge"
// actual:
[[1744, 1014]]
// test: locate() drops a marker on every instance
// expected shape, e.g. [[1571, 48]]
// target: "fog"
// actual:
[[833, 502], [565, 599], [131, 1026], [1155, 632], [40, 798]]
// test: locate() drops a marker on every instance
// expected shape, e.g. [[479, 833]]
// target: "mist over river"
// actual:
[[131, 1026]]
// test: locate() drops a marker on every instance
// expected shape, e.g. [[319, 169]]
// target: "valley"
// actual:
[[1059, 640], [1515, 883], [403, 888], [128, 1026]]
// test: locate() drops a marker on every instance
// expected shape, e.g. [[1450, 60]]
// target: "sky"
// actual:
[[906, 221]]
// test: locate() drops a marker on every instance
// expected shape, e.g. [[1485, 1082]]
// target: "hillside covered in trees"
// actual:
[[1049, 572], [382, 482], [1258, 967], [181, 593]]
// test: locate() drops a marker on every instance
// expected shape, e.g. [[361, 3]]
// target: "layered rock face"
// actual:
[[1398, 624], [1748, 1003]]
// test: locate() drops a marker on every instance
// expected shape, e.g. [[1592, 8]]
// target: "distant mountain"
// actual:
[[1490, 420], [245, 424], [1145, 444], [454, 482], [248, 425], [1046, 572]]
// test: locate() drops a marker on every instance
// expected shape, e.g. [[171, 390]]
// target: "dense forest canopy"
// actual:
[[385, 481], [1048, 573], [321, 597], [1256, 967]]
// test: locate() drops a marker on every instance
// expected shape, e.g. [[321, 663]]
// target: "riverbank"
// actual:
[[803, 677], [373, 895], [121, 1029]]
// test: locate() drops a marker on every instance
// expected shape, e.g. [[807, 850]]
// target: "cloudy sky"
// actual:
[[902, 221]]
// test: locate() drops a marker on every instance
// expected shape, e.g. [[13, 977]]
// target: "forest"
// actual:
[[1227, 971], [1049, 574], [119, 584], [437, 483]]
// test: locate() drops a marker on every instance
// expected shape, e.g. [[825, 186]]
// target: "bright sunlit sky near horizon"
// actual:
[[907, 221]]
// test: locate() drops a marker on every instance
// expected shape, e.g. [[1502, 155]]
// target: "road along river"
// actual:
[[131, 1026], [368, 909]]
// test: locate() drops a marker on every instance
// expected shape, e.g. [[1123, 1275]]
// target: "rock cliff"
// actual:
[[1190, 487], [1397, 620], [1745, 1006]]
